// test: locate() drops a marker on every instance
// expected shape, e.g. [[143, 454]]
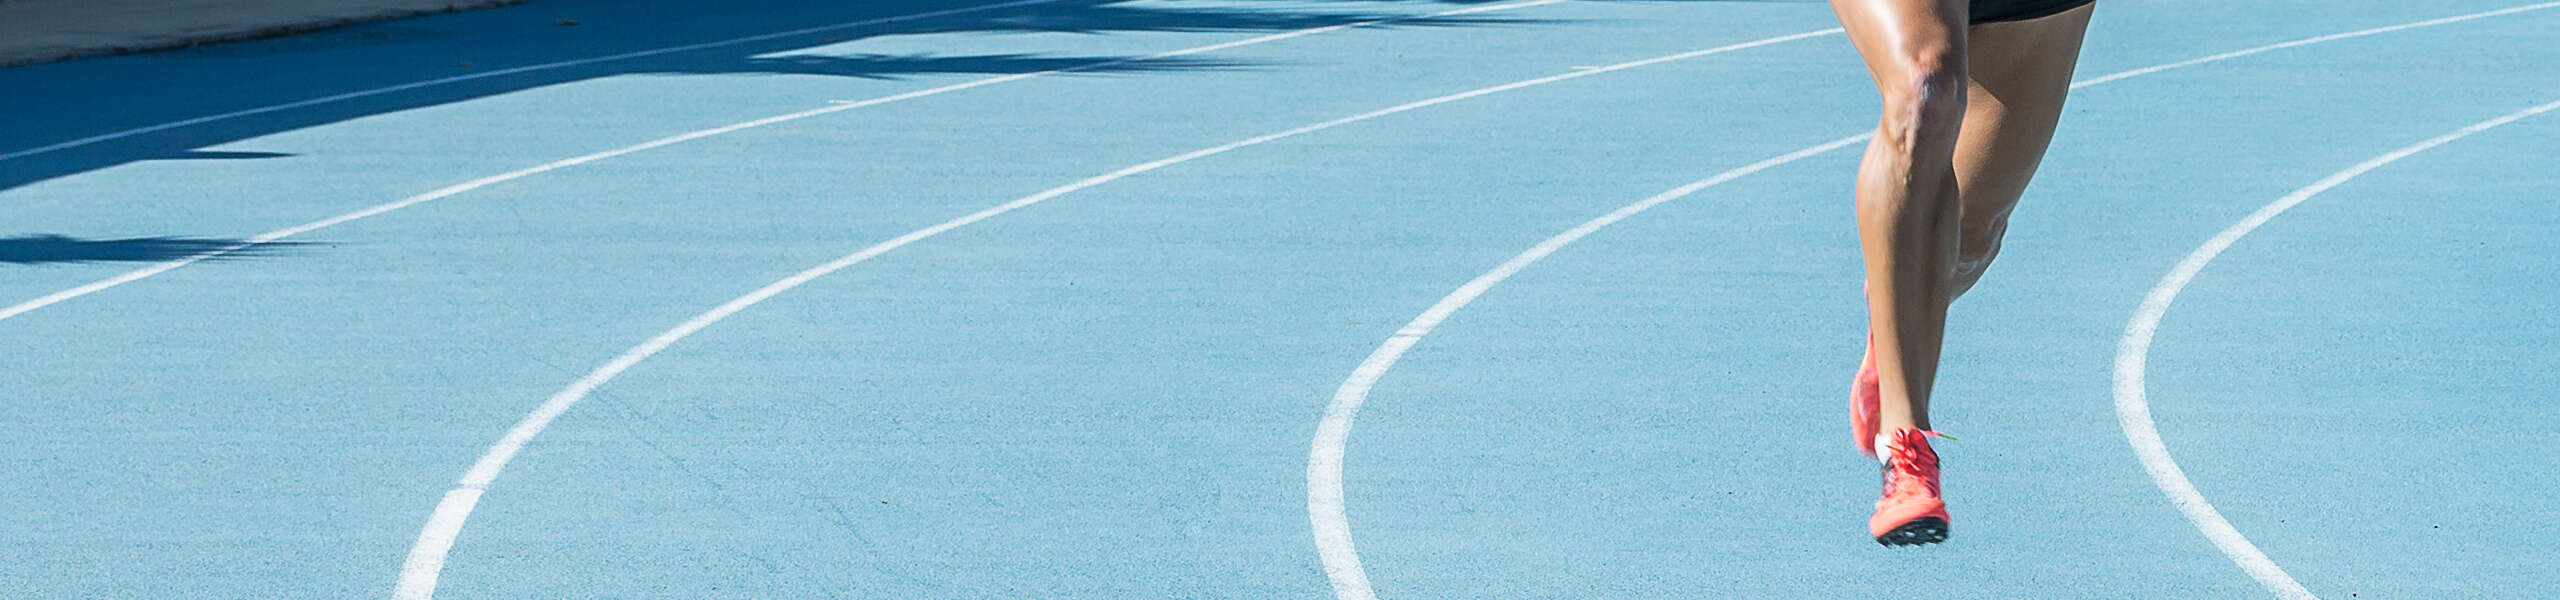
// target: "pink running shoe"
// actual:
[[1909, 513], [1865, 392]]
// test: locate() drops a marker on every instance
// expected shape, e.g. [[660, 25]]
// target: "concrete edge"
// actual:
[[277, 30]]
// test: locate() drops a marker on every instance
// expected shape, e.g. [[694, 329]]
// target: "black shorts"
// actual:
[[1994, 11]]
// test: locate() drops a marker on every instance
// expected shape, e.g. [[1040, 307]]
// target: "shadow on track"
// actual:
[[76, 99], [57, 249]]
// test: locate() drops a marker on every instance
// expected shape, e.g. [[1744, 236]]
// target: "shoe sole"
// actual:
[[1924, 530]]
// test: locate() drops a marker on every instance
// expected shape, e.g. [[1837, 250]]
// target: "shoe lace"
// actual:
[[1911, 467]]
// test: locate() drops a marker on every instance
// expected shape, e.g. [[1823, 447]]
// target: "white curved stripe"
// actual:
[[1325, 505], [165, 266], [2133, 409], [426, 558], [504, 72]]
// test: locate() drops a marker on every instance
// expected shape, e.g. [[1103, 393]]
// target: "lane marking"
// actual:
[[833, 107], [2326, 38], [2133, 408], [1326, 510], [59, 146], [426, 559]]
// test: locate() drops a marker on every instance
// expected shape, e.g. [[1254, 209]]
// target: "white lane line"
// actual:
[[2325, 38], [427, 556], [2133, 408], [505, 72], [1326, 510], [833, 107]]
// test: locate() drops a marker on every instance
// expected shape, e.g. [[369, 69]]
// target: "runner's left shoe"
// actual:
[[1865, 395], [1910, 512]]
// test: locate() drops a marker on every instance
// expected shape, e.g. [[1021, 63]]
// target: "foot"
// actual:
[[1864, 394], [1910, 512]]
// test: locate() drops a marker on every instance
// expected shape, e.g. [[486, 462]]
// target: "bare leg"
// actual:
[[1968, 113], [2020, 72], [1907, 201]]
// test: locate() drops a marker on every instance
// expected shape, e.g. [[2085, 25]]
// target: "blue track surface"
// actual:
[[1111, 391]]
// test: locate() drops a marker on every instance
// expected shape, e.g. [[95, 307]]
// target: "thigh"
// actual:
[[2019, 73]]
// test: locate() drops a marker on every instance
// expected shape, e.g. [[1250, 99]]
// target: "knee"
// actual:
[[1977, 245], [1924, 104]]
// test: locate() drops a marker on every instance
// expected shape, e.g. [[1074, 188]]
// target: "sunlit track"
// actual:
[[1065, 329]]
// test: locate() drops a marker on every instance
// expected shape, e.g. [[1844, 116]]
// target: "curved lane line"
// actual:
[[2133, 408], [1325, 505], [1324, 460], [426, 558], [2315, 40], [165, 266], [504, 72]]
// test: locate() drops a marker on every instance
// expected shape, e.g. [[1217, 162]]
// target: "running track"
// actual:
[[1051, 298]]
